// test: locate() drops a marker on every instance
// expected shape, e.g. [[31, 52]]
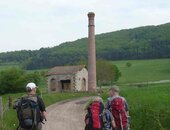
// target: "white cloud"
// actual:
[[32, 24]]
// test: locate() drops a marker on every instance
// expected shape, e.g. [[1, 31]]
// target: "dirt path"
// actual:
[[66, 116]]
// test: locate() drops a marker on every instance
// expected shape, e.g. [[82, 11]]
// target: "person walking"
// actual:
[[30, 109], [93, 119], [118, 106], [98, 118]]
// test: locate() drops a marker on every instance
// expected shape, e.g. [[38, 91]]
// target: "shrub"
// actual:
[[128, 64], [107, 73], [14, 80]]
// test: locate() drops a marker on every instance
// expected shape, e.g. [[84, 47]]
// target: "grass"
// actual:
[[144, 70], [4, 66], [149, 106]]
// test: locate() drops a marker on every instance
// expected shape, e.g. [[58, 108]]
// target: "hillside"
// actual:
[[149, 42]]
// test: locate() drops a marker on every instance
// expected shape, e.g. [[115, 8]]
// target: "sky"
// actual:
[[32, 24]]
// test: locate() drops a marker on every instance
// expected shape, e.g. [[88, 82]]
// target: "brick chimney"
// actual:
[[91, 54]]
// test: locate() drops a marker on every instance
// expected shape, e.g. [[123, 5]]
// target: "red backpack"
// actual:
[[119, 113], [93, 118]]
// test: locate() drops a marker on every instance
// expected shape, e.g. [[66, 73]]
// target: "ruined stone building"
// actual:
[[67, 78]]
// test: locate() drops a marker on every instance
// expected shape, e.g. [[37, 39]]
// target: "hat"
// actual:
[[31, 85]]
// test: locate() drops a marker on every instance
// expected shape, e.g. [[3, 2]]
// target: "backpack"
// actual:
[[28, 112], [106, 119], [119, 112], [93, 118]]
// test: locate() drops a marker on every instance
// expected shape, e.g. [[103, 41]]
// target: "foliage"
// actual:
[[128, 64], [10, 80], [107, 73], [34, 77], [148, 42], [14, 80]]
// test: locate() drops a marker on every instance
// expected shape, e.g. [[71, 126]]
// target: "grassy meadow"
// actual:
[[144, 70], [4, 66], [149, 105]]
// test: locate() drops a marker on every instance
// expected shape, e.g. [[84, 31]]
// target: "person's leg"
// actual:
[[120, 129], [21, 128], [38, 127]]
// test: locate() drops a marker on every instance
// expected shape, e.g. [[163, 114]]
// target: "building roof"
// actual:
[[61, 70]]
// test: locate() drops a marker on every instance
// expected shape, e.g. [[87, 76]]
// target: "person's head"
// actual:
[[31, 88], [114, 90], [97, 99], [92, 100]]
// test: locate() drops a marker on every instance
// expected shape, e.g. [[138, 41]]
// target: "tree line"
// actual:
[[150, 42]]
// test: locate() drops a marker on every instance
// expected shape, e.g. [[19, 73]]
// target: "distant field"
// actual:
[[144, 70], [140, 71], [4, 66]]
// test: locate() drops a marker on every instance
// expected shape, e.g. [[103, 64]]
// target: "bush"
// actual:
[[34, 77], [14, 80], [128, 64]]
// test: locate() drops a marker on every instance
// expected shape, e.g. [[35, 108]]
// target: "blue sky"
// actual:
[[32, 24]]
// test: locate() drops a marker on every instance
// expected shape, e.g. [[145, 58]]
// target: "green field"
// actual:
[[144, 70], [4, 66], [140, 71]]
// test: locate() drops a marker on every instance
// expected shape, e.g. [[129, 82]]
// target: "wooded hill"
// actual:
[[149, 42]]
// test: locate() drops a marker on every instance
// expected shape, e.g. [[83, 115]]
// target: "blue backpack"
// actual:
[[107, 120]]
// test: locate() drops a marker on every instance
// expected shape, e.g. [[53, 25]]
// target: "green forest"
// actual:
[[149, 42]]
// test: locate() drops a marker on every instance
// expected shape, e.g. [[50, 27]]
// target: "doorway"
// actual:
[[66, 85], [53, 85], [83, 84]]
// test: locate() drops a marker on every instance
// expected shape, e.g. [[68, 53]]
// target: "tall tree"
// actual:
[[107, 73]]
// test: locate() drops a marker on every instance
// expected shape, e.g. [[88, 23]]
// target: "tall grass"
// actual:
[[149, 106]]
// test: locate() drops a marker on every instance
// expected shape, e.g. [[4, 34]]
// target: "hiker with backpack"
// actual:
[[30, 109], [118, 106], [98, 118]]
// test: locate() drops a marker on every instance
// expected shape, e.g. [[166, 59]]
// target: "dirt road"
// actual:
[[66, 115]]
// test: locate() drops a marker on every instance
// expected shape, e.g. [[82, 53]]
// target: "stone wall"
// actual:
[[79, 80]]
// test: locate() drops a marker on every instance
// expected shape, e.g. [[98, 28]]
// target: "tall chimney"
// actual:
[[91, 54]]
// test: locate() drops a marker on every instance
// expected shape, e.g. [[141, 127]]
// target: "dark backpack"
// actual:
[[94, 117], [119, 113], [28, 112], [106, 119]]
